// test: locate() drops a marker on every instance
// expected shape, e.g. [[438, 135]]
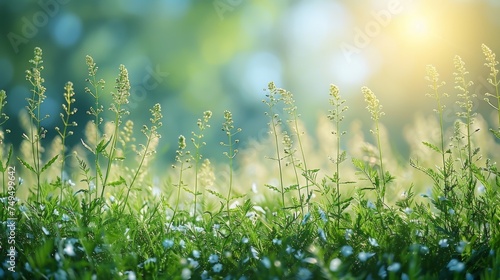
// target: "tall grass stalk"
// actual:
[[274, 123], [336, 116], [181, 158], [120, 97], [228, 127], [198, 144], [290, 153], [37, 132], [467, 114], [97, 86], [433, 77], [291, 109], [491, 62], [151, 134], [375, 110], [68, 112]]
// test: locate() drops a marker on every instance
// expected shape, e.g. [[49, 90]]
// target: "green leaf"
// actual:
[[102, 146], [432, 146], [359, 164], [217, 194], [117, 183], [49, 163], [272, 188], [496, 133], [79, 191], [27, 165]]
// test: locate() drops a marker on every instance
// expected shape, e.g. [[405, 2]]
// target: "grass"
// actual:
[[99, 210]]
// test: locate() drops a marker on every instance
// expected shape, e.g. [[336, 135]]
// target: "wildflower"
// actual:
[[213, 258], [131, 275], [299, 255], [65, 217], [55, 212], [370, 205], [443, 243], [182, 243], [424, 250], [251, 215], [276, 241], [382, 272], [254, 188], [266, 262], [244, 240], [304, 274], [405, 276], [374, 106], [373, 242], [408, 210], [204, 275], [196, 253], [322, 234], [259, 209], [186, 273], [461, 246], [216, 226], [310, 260], [322, 215], [69, 249], [45, 231], [455, 265], [346, 250], [217, 268], [255, 253], [335, 264], [469, 276], [363, 256], [451, 211], [289, 249], [348, 234], [193, 263], [168, 243], [394, 267], [481, 189]]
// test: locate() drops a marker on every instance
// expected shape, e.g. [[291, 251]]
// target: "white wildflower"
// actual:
[[363, 256], [335, 264]]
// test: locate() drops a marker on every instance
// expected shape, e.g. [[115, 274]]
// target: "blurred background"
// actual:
[[193, 56]]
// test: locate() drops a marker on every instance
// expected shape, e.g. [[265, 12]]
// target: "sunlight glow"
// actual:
[[417, 28]]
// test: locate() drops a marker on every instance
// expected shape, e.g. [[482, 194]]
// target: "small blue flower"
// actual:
[[213, 258], [304, 274], [443, 243], [217, 268], [346, 250], [395, 267], [348, 234], [373, 242], [335, 264], [266, 262], [196, 253], [306, 218], [455, 265], [363, 256], [322, 234], [168, 243]]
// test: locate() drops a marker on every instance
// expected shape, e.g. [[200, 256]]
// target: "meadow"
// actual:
[[290, 205]]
